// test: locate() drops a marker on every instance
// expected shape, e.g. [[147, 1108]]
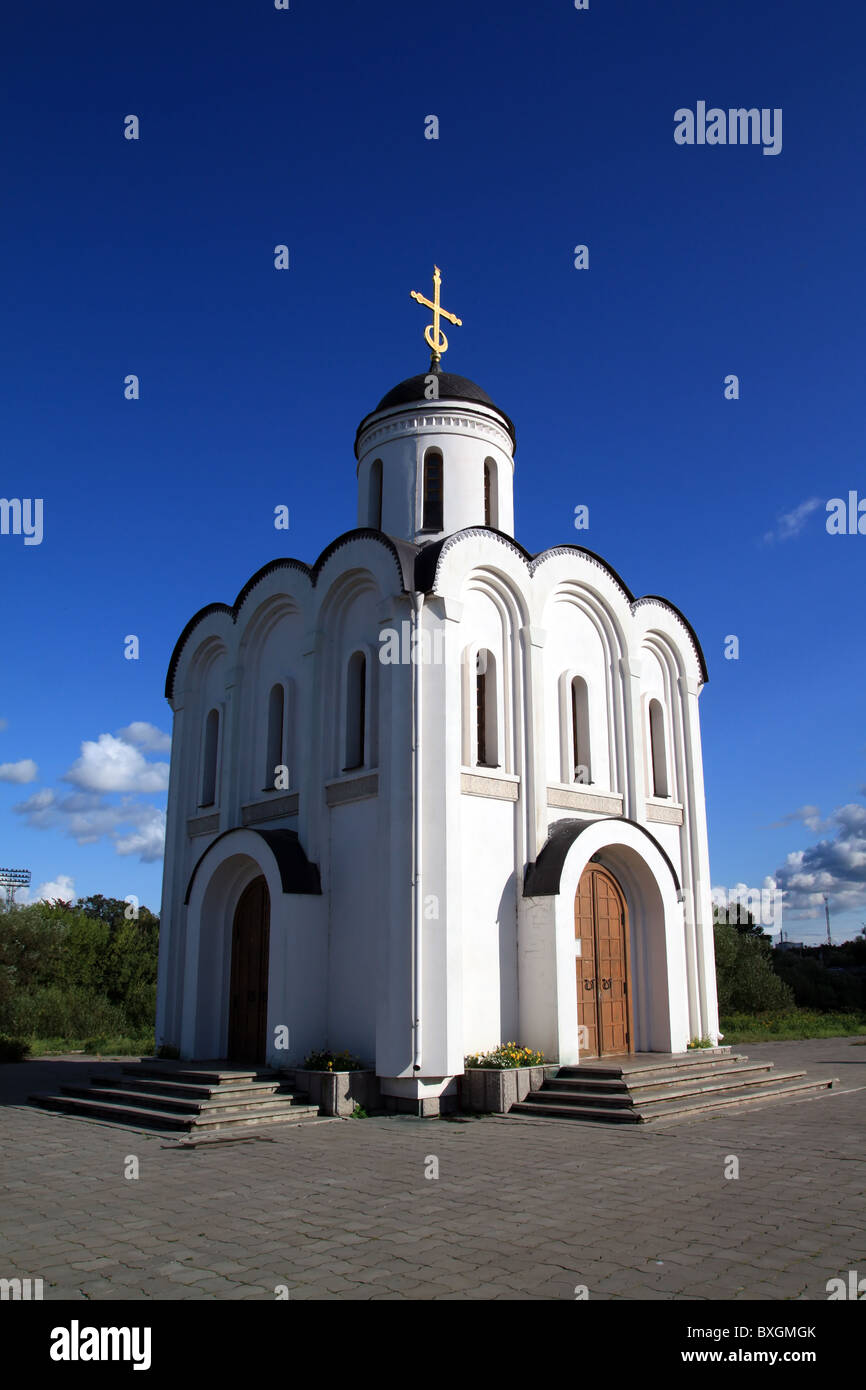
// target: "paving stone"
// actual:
[[524, 1210]]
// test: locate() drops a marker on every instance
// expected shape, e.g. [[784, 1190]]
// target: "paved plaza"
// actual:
[[344, 1209]]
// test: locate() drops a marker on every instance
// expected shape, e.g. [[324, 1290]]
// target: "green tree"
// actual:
[[745, 977]]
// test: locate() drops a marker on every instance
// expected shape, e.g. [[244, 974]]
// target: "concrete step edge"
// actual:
[[685, 1089], [616, 1085], [576, 1112], [161, 1119], [206, 1076], [614, 1069], [180, 1088], [746, 1098], [175, 1104]]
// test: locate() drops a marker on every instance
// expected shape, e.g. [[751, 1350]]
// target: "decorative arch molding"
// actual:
[[403, 554], [208, 653], [669, 727], [264, 619], [512, 614], [650, 600], [608, 628], [285, 852]]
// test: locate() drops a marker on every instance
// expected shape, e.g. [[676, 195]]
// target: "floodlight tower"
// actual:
[[10, 879]]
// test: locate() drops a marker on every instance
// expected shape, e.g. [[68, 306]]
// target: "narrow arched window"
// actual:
[[209, 759], [580, 742], [491, 496], [276, 721], [658, 750], [432, 511], [375, 511], [486, 731], [356, 711]]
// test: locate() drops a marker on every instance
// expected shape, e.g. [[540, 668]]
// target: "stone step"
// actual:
[[573, 1078], [551, 1091], [203, 1076], [178, 1104], [124, 1113], [660, 1110], [784, 1085], [611, 1115], [628, 1070], [188, 1088], [642, 1085]]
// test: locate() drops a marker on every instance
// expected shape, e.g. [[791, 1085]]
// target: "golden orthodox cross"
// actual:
[[433, 335]]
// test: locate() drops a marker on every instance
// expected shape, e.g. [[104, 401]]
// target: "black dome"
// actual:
[[451, 388]]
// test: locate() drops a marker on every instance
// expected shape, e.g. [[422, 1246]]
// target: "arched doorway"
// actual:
[[248, 990], [602, 965]]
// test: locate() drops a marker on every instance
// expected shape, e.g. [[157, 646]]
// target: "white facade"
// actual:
[[423, 907]]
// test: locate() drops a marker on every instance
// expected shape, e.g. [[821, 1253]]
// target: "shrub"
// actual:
[[104, 1045], [13, 1049], [168, 1052], [53, 1011], [332, 1061], [506, 1055]]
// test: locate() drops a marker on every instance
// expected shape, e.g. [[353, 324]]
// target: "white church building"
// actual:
[[432, 793]]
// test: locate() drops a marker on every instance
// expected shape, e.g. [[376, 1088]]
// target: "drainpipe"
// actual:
[[417, 844]]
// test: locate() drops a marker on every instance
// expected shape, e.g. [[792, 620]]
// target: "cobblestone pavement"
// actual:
[[521, 1209]]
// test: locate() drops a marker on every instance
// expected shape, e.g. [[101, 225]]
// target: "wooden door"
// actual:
[[248, 991], [602, 965]]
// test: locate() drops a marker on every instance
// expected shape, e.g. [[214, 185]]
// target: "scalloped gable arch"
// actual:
[[429, 560], [403, 553]]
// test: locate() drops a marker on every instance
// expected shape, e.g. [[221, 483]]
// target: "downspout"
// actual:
[[417, 842]]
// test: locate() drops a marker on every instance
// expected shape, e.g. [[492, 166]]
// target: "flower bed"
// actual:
[[494, 1081], [506, 1055], [493, 1090], [333, 1061], [338, 1092]]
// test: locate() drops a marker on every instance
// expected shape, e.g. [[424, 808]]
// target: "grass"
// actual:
[[790, 1024], [102, 1046]]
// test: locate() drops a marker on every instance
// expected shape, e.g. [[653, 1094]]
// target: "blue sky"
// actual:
[[306, 127]]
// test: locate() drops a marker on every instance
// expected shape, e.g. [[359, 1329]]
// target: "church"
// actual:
[[432, 793]]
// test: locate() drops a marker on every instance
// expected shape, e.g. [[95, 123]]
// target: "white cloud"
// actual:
[[112, 765], [764, 903], [24, 771], [790, 524], [110, 779], [835, 865], [4, 724], [61, 887], [809, 816], [146, 736], [148, 842]]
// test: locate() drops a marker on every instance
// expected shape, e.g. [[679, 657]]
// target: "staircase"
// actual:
[[651, 1086], [185, 1098]]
